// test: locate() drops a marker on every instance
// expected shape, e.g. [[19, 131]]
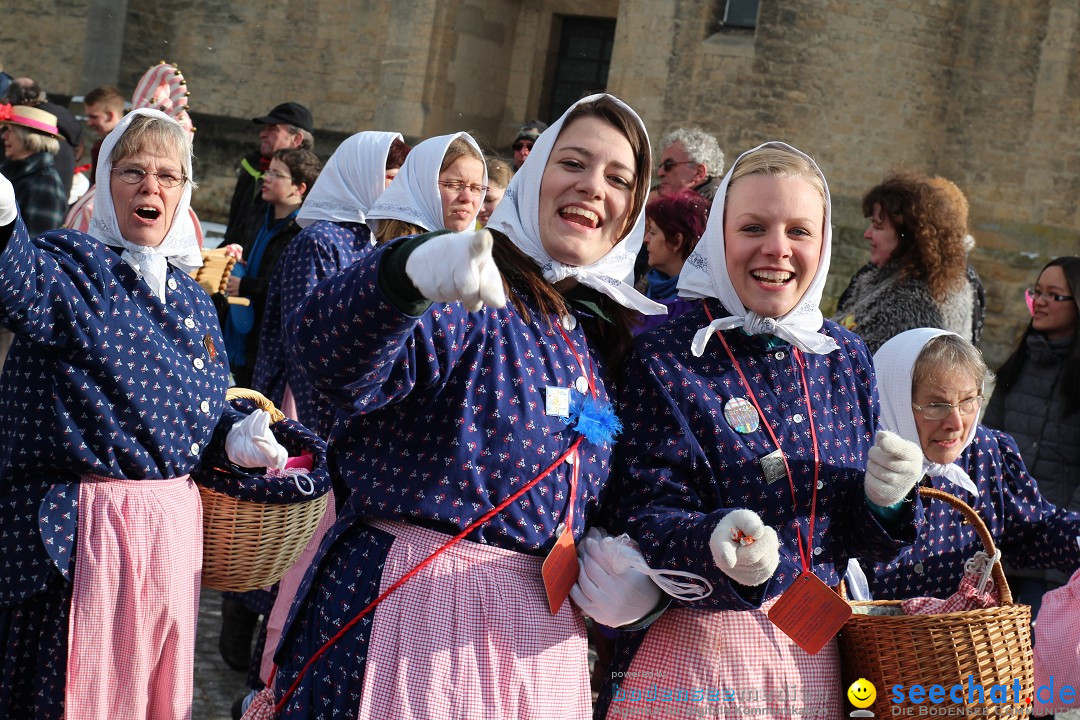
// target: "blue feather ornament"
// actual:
[[595, 420]]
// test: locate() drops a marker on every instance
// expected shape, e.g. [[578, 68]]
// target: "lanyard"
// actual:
[[575, 457], [804, 556]]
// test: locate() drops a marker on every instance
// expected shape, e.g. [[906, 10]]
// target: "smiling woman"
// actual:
[[471, 396]]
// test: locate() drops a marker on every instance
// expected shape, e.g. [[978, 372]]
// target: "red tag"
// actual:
[[810, 613], [560, 571]]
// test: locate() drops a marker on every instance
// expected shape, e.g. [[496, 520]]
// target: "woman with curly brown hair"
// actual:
[[917, 274]]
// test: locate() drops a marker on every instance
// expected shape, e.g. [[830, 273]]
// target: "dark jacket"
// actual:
[[38, 191], [1034, 411], [71, 131], [247, 208]]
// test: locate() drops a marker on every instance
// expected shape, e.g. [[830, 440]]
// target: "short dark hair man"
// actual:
[[104, 107], [288, 125]]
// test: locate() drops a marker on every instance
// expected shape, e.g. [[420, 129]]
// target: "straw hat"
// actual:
[[31, 118]]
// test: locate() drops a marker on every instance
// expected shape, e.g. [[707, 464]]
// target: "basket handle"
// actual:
[[984, 535], [264, 403]]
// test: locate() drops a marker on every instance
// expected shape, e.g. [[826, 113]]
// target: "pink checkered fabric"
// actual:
[[712, 664], [287, 587], [135, 598], [471, 636], [966, 597], [1057, 646]]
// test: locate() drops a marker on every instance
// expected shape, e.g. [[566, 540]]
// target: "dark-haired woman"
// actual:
[[1037, 400], [446, 409], [917, 274]]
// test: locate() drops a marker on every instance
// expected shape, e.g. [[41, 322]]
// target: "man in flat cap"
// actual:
[[289, 125]]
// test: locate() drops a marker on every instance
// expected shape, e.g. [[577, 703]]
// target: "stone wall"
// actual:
[[983, 92]]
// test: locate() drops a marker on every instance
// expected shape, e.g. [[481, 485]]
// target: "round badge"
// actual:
[[582, 384], [741, 415]]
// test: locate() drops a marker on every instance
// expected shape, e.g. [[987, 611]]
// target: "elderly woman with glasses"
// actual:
[[931, 385], [113, 392]]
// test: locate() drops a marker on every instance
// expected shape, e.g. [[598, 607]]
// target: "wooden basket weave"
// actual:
[[987, 647], [249, 545]]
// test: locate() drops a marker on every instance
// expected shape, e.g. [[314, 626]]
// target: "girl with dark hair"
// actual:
[[475, 432], [1037, 398], [917, 274], [673, 225]]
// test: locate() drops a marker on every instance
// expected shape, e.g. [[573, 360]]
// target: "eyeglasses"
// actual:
[[519, 146], [669, 165], [940, 410], [1032, 294], [134, 175], [274, 175], [456, 186]]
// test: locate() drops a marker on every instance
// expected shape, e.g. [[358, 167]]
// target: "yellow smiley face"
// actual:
[[862, 693]]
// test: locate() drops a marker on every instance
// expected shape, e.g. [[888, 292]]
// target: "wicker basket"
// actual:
[[990, 646], [249, 545]]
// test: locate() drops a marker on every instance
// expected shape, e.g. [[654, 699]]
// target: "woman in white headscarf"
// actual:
[[113, 391], [751, 421], [470, 370], [932, 388], [334, 236], [441, 186]]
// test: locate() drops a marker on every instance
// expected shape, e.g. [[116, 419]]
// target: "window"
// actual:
[[581, 66], [740, 13]]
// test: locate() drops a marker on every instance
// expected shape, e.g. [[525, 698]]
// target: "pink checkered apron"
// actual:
[[135, 599], [470, 637], [715, 664], [287, 587]]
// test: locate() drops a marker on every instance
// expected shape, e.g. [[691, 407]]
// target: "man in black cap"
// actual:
[[288, 125], [524, 141]]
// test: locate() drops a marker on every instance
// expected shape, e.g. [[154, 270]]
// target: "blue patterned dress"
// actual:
[[443, 417], [102, 378], [320, 251], [1031, 532], [689, 456]]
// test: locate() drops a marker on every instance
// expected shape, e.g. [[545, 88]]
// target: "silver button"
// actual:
[[569, 322], [198, 363], [189, 323], [918, 569], [780, 355], [204, 406], [797, 418], [571, 459], [820, 484], [195, 448], [560, 529], [817, 551], [582, 384], [172, 283]]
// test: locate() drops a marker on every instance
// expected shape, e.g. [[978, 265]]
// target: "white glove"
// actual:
[[608, 589], [250, 443], [744, 548], [9, 210], [893, 467], [457, 266]]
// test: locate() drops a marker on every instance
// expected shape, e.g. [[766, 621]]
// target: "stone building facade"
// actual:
[[983, 92]]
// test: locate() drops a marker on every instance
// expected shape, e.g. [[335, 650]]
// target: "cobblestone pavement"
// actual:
[[216, 685]]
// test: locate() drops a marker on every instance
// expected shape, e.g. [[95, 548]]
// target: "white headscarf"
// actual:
[[705, 275], [414, 195], [518, 217], [180, 246], [894, 363], [352, 180]]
